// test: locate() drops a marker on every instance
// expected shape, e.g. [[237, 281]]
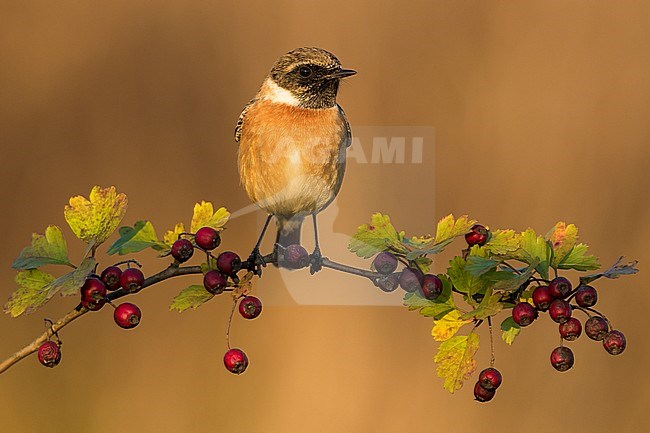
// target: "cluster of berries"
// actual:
[[555, 299]]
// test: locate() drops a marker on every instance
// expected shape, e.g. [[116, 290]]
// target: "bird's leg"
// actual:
[[256, 260], [316, 258]]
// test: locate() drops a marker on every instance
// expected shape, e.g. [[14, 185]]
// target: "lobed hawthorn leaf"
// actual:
[[32, 292], [448, 228], [578, 259], [137, 238], [191, 297], [46, 249], [94, 219], [455, 359], [563, 238], [533, 247], [489, 306], [378, 236], [205, 216], [502, 242], [462, 279], [448, 325], [172, 235], [615, 271], [478, 266], [510, 330]]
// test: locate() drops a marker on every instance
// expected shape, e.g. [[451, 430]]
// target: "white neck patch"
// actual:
[[275, 93]]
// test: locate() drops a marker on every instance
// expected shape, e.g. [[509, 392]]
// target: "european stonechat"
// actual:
[[292, 140]]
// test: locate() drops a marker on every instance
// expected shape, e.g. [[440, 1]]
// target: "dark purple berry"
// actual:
[[132, 279], [127, 315], [490, 378], [235, 361], [93, 290], [207, 238], [182, 250], [111, 277], [49, 354], [411, 279], [524, 314], [571, 329], [586, 296], [385, 263], [559, 310], [562, 358], [388, 283], [614, 342], [481, 394], [542, 298], [478, 235], [229, 263], [596, 328], [215, 282], [295, 257], [559, 287], [431, 287], [250, 307]]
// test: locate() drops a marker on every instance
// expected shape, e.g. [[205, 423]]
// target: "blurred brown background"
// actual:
[[541, 113]]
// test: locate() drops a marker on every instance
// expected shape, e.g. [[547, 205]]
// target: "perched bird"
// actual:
[[292, 142]]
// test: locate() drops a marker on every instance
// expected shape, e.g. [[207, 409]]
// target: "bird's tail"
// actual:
[[288, 231]]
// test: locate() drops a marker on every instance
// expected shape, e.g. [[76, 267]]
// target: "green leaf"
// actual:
[[47, 249], [615, 271], [373, 238], [502, 242], [462, 279], [32, 292], [423, 263], [579, 260], [70, 283], [448, 228], [489, 306], [478, 266], [562, 237], [205, 216], [93, 220], [510, 330], [191, 297], [534, 247], [137, 238], [513, 281], [455, 359]]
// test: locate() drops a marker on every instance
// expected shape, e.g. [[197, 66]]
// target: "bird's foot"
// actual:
[[256, 262], [315, 261]]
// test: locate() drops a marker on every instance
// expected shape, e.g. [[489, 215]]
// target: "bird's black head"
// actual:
[[311, 75]]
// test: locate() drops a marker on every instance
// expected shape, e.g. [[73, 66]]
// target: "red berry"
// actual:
[[250, 307], [229, 263], [49, 354], [235, 361], [586, 296], [614, 342], [388, 283], [411, 279], [295, 257], [385, 263], [490, 378], [571, 329], [559, 310], [481, 394], [93, 306], [478, 235], [127, 315], [431, 287], [596, 328], [215, 282], [559, 287], [182, 250], [524, 314], [207, 238], [132, 279], [111, 277], [93, 290], [562, 358], [542, 297]]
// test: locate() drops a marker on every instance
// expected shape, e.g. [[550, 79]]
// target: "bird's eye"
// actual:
[[304, 71]]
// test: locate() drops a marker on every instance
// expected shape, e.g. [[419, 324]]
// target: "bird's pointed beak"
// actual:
[[342, 73]]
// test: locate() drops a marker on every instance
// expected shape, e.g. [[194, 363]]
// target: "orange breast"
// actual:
[[291, 159]]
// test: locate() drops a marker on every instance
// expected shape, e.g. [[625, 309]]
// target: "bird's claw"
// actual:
[[315, 261], [256, 262]]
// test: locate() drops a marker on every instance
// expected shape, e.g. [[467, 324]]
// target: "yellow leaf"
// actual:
[[448, 326], [205, 216], [94, 220], [33, 292], [172, 235], [502, 242], [563, 237], [509, 335], [448, 228], [455, 359]]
